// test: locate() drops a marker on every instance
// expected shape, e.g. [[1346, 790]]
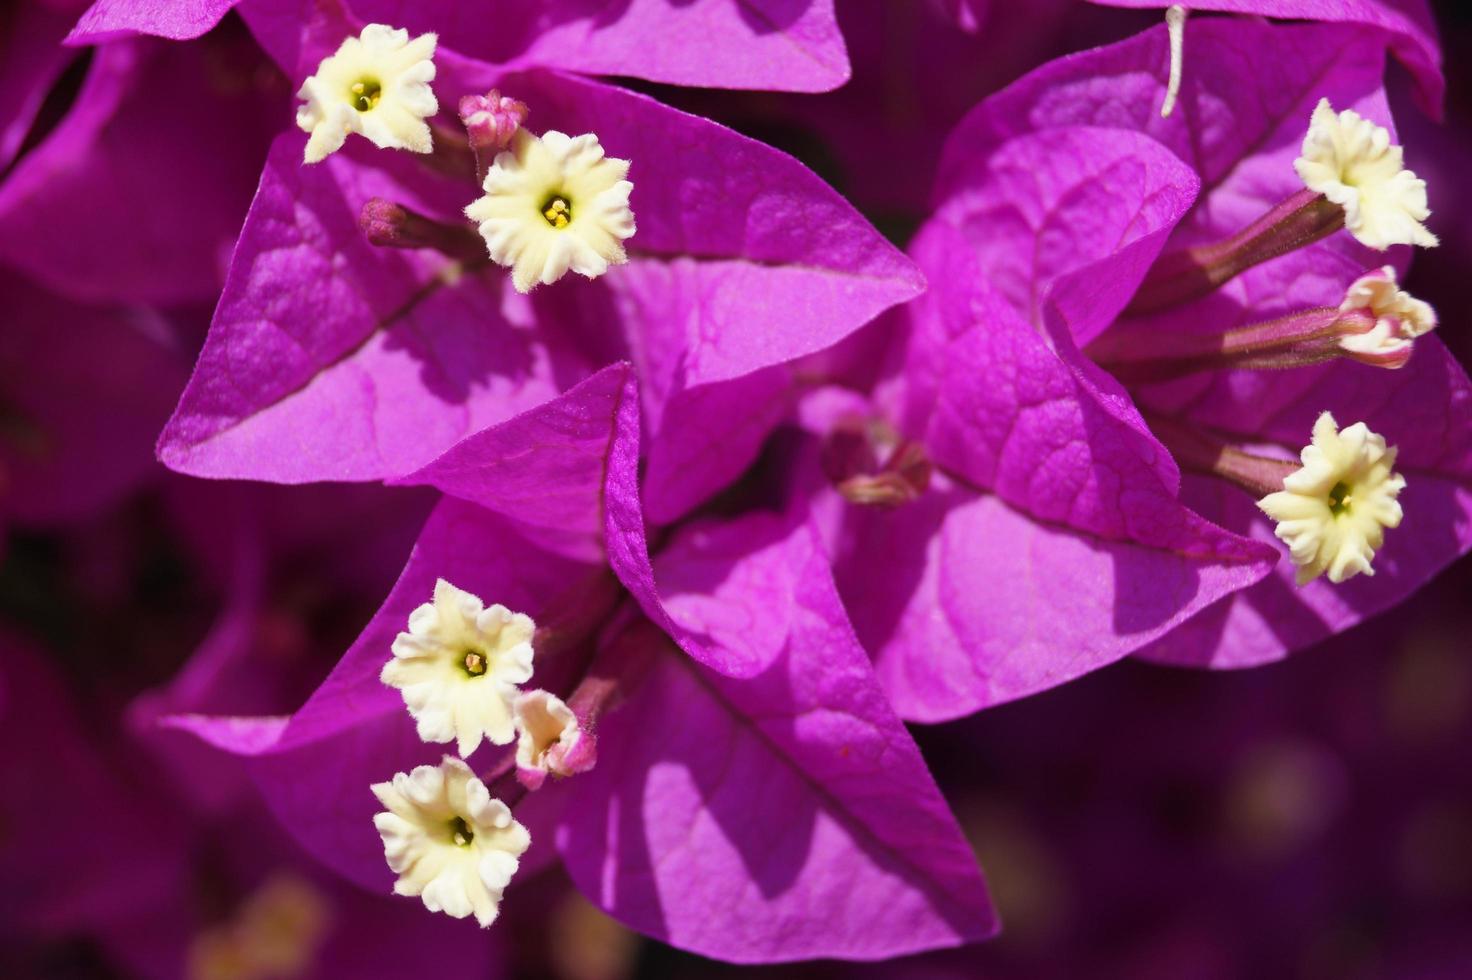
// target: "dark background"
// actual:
[[1309, 820]]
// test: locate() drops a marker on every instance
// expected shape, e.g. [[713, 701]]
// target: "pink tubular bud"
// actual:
[[390, 225], [560, 761], [491, 120], [386, 223]]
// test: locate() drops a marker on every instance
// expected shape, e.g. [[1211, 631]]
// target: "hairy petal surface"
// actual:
[[1071, 216], [1242, 139], [178, 20], [330, 358], [1251, 91], [314, 767], [792, 801], [980, 604], [786, 45], [733, 237], [1056, 544]]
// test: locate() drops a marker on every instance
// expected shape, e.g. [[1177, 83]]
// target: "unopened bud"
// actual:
[[392, 225], [492, 119]]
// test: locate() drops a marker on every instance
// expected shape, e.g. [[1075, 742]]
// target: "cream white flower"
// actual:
[[554, 203], [1399, 317], [458, 668], [1332, 513], [1352, 162], [377, 84], [549, 730], [448, 841]]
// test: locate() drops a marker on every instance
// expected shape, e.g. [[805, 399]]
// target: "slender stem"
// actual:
[[452, 154], [1182, 276], [1199, 451], [390, 225], [1138, 355]]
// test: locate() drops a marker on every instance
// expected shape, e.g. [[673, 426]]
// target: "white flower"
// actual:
[[554, 203], [459, 666], [1352, 162], [549, 731], [448, 841], [1399, 317], [1333, 512], [377, 84]]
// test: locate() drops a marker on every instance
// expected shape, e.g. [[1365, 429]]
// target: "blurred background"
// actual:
[[1307, 820]]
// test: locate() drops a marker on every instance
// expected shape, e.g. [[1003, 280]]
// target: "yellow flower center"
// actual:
[[365, 94], [460, 832], [557, 211], [474, 663]]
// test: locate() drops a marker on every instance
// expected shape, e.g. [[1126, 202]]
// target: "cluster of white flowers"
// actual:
[[1333, 512], [553, 203], [459, 668]]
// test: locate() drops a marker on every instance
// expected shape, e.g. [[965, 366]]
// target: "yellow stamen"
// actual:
[[366, 94], [557, 212]]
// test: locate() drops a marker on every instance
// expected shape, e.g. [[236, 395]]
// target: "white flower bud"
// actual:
[[1399, 318]]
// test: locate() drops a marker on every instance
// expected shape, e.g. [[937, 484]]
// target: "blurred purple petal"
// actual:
[[160, 150]]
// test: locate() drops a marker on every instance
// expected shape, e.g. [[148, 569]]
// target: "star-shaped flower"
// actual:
[[1351, 161], [554, 203], [377, 85], [1333, 512], [458, 667], [448, 841]]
